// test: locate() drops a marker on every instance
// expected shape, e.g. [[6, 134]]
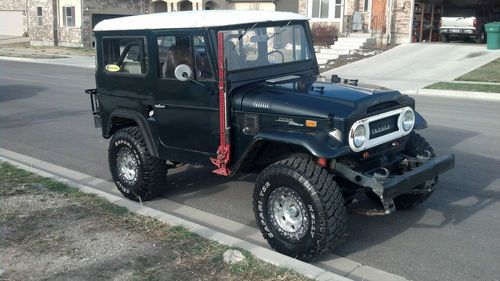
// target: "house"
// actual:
[[70, 22]]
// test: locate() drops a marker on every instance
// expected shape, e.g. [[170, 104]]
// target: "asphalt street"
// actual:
[[452, 236]]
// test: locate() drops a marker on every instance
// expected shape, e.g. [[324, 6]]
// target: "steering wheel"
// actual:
[[275, 59]]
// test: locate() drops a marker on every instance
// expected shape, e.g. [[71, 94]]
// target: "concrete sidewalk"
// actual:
[[410, 67]]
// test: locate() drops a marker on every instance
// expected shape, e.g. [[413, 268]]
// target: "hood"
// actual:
[[317, 100]]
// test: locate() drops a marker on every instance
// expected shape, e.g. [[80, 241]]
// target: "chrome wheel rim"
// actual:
[[128, 167], [288, 213]]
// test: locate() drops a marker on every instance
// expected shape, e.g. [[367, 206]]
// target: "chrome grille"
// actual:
[[383, 126]]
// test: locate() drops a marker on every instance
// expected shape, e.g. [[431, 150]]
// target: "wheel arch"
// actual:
[[269, 147], [123, 118], [420, 122]]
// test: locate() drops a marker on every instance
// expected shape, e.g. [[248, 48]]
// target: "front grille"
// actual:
[[383, 126]]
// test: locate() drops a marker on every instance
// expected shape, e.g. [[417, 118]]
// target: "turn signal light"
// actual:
[[311, 123]]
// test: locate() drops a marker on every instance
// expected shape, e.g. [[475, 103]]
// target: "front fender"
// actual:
[[420, 122], [319, 144]]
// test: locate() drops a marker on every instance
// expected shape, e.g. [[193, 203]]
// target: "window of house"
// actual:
[[183, 49], [125, 55], [338, 8], [365, 6], [323, 9], [69, 16], [39, 15]]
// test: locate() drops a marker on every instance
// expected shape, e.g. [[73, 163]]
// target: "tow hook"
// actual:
[[425, 157], [382, 175], [388, 205]]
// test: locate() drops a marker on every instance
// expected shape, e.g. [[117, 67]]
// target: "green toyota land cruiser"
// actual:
[[241, 91]]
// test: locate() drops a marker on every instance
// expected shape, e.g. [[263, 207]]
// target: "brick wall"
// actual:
[[42, 34], [16, 5], [302, 7], [402, 21], [122, 7]]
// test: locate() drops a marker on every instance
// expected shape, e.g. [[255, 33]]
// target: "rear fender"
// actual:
[[141, 122]]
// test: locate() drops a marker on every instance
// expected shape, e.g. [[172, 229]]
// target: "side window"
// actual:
[[203, 69], [125, 55], [177, 50]]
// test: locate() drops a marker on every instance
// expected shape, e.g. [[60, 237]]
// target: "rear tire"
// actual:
[[137, 174], [480, 38], [299, 208], [445, 38]]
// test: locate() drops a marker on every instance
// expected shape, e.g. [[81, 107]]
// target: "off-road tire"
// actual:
[[415, 146], [151, 176], [322, 200]]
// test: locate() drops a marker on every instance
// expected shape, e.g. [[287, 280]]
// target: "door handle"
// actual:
[[160, 105]]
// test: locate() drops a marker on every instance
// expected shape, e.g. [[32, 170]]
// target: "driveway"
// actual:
[[409, 67], [9, 39]]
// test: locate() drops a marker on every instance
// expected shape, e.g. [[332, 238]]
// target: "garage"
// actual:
[[427, 15], [11, 23]]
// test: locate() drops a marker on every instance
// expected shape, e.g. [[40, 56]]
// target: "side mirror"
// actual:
[[183, 72]]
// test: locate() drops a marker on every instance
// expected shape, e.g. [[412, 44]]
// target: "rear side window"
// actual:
[[125, 55]]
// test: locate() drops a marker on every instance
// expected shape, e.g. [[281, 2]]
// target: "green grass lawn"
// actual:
[[465, 87], [487, 73]]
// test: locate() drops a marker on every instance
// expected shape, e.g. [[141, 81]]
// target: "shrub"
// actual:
[[324, 34]]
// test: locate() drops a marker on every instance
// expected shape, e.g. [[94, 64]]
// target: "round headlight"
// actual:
[[408, 120], [359, 136]]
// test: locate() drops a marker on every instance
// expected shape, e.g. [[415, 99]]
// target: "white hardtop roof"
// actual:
[[194, 19]]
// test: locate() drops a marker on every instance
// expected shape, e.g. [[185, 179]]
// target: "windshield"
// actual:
[[258, 46]]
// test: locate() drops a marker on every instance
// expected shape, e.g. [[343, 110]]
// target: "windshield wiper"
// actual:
[[245, 32], [282, 28]]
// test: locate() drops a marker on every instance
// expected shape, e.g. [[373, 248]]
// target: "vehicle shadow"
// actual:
[[15, 92], [461, 194]]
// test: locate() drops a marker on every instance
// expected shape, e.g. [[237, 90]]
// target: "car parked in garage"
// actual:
[[464, 23]]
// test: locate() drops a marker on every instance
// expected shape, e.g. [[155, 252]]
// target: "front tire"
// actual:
[[138, 175], [299, 208], [445, 38]]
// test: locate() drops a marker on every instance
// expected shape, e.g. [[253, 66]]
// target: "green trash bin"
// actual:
[[493, 35]]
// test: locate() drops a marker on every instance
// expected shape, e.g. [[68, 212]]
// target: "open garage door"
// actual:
[[11, 23]]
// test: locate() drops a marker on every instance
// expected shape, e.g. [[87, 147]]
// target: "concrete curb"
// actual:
[[261, 253], [454, 94], [61, 61]]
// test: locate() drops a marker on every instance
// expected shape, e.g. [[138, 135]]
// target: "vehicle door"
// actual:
[[186, 111]]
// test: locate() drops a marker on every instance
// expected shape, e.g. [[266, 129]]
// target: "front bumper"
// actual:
[[389, 188]]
